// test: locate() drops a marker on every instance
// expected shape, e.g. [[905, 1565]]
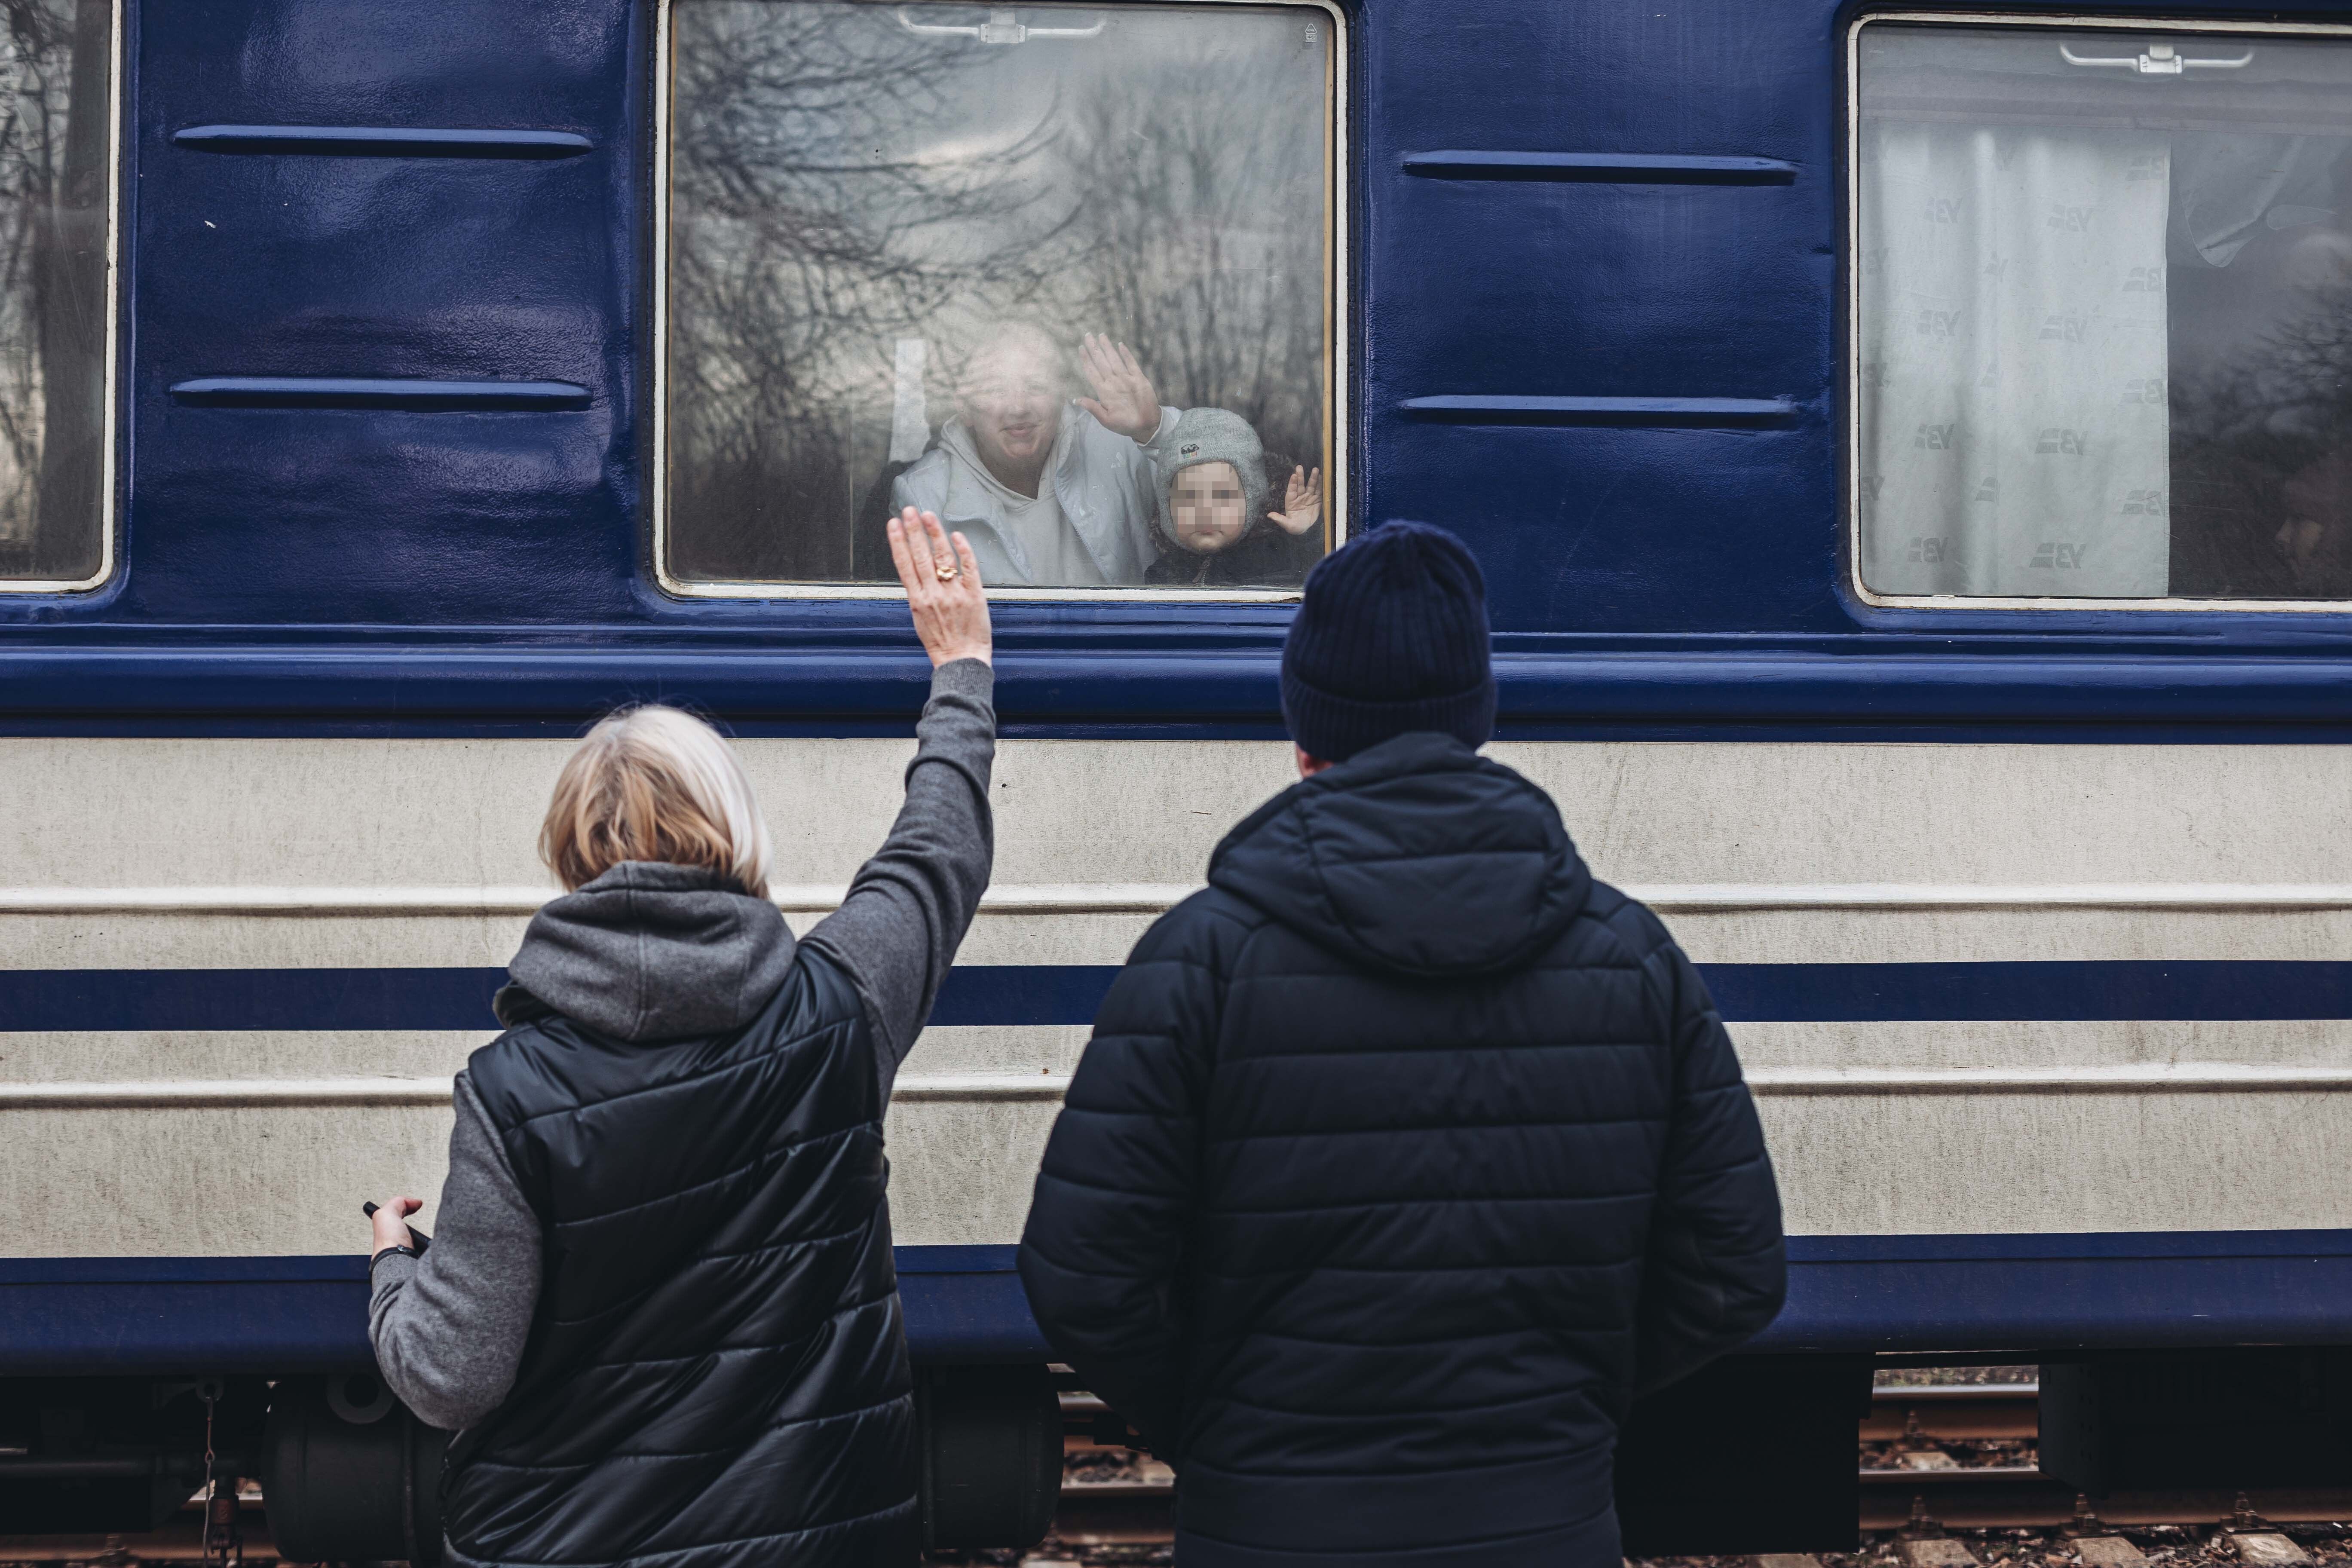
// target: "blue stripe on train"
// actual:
[[117, 999], [134, 1316]]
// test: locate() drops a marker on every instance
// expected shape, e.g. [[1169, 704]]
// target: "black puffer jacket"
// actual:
[[716, 1372], [1401, 1158]]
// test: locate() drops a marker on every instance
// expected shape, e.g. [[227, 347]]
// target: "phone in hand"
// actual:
[[415, 1235]]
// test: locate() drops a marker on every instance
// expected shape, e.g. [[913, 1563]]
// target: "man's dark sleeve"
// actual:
[[1716, 1269], [1102, 1255]]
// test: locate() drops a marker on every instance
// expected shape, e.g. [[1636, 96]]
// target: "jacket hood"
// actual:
[[650, 952], [1415, 855]]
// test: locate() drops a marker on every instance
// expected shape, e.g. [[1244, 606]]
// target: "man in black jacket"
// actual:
[[1406, 1154]]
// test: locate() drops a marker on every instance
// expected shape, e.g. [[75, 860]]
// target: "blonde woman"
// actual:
[[659, 1308]]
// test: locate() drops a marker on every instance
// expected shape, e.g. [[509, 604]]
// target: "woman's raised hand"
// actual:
[[943, 588], [1302, 504], [1123, 396]]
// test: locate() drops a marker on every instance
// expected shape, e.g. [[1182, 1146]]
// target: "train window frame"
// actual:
[[1337, 314], [1853, 477], [109, 464]]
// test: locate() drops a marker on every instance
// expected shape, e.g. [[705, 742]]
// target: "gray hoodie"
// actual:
[[1093, 513], [651, 952]]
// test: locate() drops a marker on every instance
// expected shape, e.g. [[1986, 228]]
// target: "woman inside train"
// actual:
[[660, 1311]]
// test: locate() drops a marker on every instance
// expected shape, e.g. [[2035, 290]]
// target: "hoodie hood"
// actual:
[[649, 953], [1415, 855], [956, 440]]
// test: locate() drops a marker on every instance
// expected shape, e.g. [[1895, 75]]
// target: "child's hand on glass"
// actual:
[[1302, 502]]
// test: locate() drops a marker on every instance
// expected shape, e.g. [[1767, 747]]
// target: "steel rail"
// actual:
[[2008, 1499], [1963, 1412], [1127, 1513]]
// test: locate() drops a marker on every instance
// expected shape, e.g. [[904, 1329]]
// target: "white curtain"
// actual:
[[2014, 433]]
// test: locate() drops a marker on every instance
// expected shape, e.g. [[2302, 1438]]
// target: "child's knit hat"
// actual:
[[1212, 435]]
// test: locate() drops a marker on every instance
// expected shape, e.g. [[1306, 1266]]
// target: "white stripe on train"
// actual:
[[1153, 897], [2174, 1077]]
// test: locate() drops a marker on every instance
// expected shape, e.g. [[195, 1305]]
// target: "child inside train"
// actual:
[[1216, 525]]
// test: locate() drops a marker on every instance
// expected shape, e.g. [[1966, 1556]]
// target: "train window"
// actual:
[[1062, 274], [57, 71], [2101, 313]]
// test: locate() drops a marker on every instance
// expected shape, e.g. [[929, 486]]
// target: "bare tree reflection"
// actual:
[[797, 256], [2261, 461], [1191, 256], [55, 60]]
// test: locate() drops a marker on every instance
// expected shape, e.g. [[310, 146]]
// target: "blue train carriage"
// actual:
[[1908, 452]]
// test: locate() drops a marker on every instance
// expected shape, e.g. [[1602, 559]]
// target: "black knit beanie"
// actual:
[[1393, 638]]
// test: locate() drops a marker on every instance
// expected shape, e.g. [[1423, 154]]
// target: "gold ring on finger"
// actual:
[[945, 571]]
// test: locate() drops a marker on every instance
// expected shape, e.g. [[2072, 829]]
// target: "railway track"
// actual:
[[1954, 1412], [1912, 1471], [1129, 1513], [1942, 1413], [1902, 1440]]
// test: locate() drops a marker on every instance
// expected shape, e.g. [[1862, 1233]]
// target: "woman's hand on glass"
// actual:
[[1302, 503], [1123, 397], [943, 588], [391, 1222]]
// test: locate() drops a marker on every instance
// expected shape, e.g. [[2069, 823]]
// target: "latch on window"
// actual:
[[2160, 59], [1004, 27]]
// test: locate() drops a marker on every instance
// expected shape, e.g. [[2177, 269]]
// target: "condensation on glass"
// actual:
[[57, 162], [2102, 313], [1060, 274]]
